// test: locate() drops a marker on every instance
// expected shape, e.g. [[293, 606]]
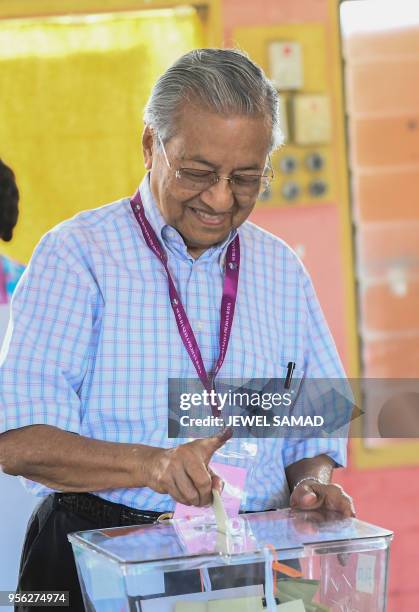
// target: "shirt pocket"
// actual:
[[259, 375]]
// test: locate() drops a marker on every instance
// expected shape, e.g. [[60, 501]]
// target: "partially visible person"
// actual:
[[119, 299], [15, 512], [10, 271]]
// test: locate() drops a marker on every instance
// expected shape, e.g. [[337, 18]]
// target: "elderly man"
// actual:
[[96, 332]]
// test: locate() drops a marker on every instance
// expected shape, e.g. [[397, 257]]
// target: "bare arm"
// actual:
[[68, 462], [320, 467]]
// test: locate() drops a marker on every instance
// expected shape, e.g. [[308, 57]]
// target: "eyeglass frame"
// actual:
[[218, 176]]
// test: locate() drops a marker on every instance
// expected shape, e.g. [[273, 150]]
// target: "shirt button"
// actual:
[[199, 326]]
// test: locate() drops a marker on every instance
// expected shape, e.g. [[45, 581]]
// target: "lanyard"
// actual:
[[228, 302]]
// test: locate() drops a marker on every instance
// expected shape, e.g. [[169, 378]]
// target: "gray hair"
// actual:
[[225, 81]]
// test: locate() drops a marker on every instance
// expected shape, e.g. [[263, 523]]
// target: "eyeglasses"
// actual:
[[250, 185]]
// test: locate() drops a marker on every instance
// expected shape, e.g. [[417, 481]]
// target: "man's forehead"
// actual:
[[216, 140], [198, 122]]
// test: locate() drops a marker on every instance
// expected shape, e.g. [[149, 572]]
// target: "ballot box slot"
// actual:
[[344, 546]]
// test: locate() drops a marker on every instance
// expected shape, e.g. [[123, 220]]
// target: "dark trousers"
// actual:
[[47, 561]]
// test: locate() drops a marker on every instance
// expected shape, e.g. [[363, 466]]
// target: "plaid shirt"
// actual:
[[93, 339]]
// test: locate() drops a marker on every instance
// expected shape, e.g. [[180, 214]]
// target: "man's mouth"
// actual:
[[209, 218]]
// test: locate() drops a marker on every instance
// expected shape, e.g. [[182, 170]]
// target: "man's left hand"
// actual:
[[312, 495]]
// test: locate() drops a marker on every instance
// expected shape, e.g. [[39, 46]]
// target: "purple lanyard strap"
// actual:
[[228, 302]]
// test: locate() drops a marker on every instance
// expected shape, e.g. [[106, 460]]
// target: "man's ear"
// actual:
[[148, 146]]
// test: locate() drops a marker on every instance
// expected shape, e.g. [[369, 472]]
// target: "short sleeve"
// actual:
[[322, 364], [48, 343]]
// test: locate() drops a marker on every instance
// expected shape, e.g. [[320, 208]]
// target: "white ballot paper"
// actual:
[[220, 513]]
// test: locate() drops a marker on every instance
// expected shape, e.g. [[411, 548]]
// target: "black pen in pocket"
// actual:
[[290, 372]]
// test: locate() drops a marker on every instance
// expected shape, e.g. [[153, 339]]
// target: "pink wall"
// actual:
[[313, 232], [240, 13], [386, 497]]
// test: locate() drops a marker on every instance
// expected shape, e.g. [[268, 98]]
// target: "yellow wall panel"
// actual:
[[73, 90]]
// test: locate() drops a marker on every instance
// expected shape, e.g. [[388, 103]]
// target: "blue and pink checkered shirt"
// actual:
[[93, 339]]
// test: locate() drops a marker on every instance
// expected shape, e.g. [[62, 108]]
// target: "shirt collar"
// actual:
[[152, 211], [170, 237]]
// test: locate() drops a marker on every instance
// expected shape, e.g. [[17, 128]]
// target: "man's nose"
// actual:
[[219, 196]]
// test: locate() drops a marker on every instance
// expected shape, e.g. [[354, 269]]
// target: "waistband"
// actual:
[[107, 513]]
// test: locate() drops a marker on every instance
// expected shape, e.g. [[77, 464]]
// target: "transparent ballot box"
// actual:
[[282, 560]]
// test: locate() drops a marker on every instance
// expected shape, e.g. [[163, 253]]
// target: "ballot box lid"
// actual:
[[288, 533]]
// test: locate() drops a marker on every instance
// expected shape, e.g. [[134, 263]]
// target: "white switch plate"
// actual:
[[312, 119], [286, 65]]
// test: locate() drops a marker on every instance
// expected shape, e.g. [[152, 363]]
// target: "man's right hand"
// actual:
[[183, 473], [67, 462]]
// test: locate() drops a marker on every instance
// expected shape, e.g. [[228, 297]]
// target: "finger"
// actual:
[[186, 491], [340, 502], [201, 479], [210, 445], [337, 500], [304, 497], [174, 492]]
